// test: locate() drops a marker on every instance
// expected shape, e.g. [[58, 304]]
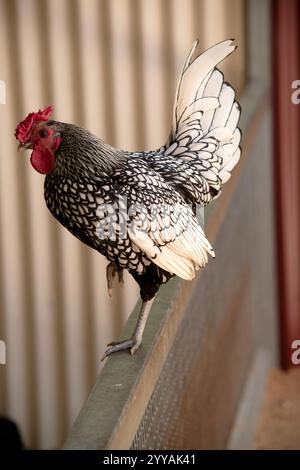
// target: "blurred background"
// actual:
[[110, 66]]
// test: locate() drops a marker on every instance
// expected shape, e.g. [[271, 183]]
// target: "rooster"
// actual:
[[138, 208]]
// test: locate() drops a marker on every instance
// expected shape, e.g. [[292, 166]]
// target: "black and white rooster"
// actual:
[[138, 209]]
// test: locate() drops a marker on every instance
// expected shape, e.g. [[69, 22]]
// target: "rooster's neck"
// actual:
[[84, 155]]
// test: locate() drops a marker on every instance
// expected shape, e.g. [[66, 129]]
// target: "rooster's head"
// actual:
[[36, 132]]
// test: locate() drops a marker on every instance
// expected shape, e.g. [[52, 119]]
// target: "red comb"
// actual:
[[24, 129]]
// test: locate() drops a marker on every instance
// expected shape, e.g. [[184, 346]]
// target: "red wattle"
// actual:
[[42, 161]]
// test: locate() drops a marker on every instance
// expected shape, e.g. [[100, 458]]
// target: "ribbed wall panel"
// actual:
[[110, 66]]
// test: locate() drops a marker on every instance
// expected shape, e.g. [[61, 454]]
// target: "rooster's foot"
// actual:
[[134, 342], [115, 346], [111, 270]]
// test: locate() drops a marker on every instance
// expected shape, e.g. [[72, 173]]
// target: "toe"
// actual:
[[118, 346]]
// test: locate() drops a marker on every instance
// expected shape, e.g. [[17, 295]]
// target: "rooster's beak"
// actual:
[[26, 146]]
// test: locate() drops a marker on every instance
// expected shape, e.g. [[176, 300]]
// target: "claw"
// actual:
[[132, 344], [113, 343]]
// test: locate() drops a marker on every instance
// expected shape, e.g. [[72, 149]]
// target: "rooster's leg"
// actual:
[[111, 270], [134, 342]]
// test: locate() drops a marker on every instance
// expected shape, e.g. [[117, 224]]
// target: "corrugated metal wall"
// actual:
[[110, 66]]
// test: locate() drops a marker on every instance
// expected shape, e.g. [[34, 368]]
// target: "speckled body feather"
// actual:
[[92, 201], [137, 209]]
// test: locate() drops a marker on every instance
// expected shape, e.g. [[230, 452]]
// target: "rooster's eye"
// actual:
[[43, 133]]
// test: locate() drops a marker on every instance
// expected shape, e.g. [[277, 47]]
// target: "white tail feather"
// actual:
[[206, 115]]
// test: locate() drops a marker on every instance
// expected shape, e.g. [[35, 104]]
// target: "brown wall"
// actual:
[[286, 69]]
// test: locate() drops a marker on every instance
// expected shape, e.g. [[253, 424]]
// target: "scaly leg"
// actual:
[[134, 342], [111, 270]]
